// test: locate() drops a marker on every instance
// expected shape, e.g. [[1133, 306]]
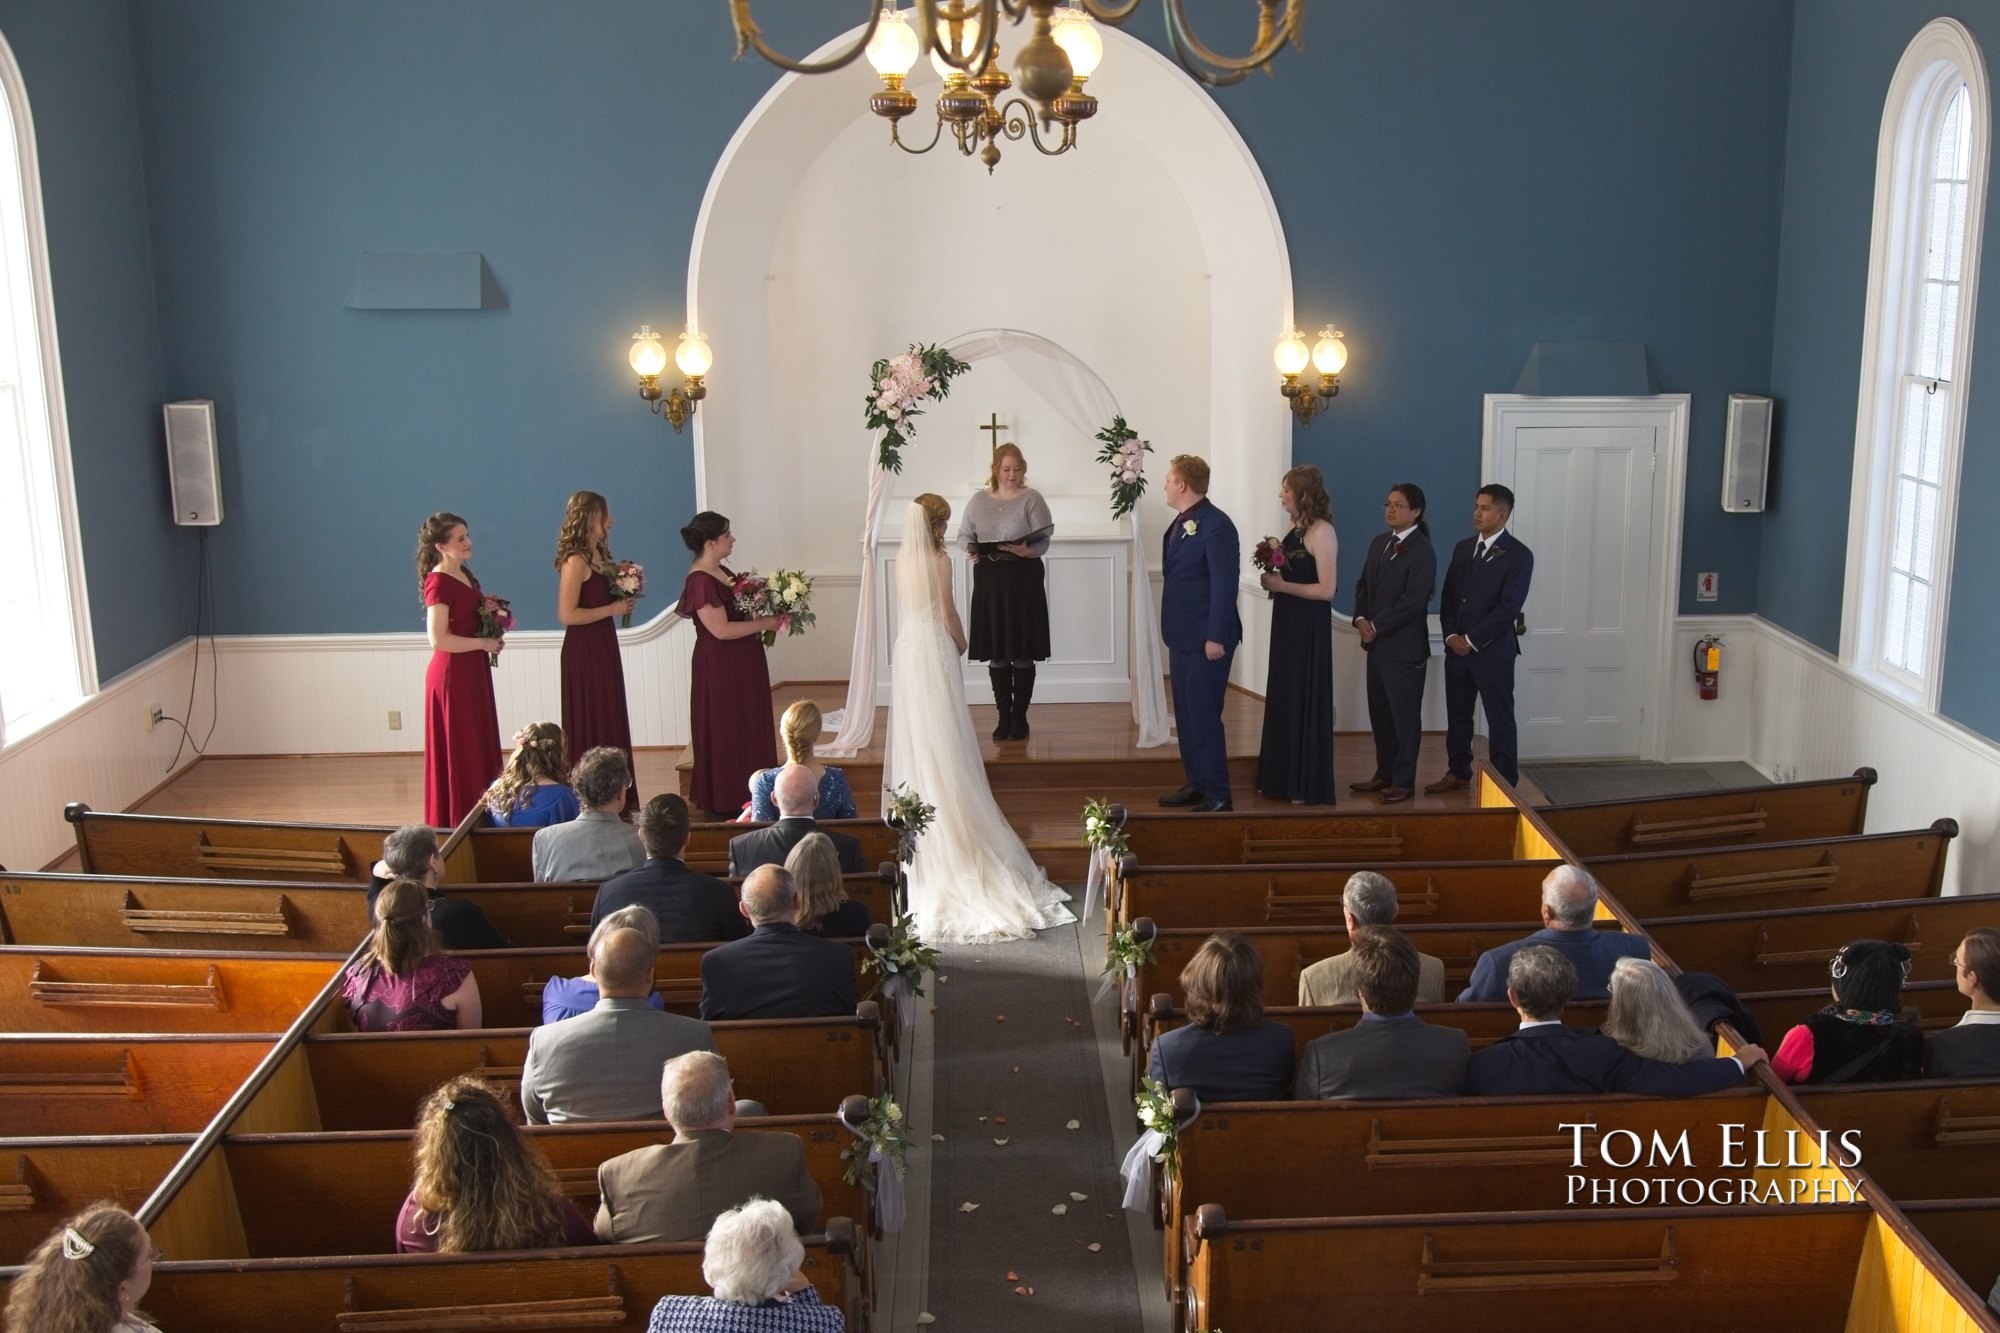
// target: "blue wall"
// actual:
[[76, 60]]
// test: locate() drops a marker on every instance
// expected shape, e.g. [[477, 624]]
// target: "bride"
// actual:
[[972, 879]]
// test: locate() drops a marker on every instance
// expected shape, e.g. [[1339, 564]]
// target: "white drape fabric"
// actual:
[[1086, 405]]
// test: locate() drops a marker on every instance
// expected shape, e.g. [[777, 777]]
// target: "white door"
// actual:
[[1593, 500]]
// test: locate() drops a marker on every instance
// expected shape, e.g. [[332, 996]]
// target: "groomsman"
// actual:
[[1480, 610], [1198, 622], [1391, 601]]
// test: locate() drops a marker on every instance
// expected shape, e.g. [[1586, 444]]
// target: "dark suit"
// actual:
[[1592, 952], [1393, 593], [1481, 600], [1254, 1065], [1199, 575], [675, 1191], [1385, 1057], [690, 906], [778, 971], [1970, 1050], [459, 924], [770, 846], [1552, 1058]]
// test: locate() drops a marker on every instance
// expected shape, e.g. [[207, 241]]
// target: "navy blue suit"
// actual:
[[1481, 600], [1254, 1065], [1393, 593], [1198, 607], [690, 906], [1552, 1058], [1592, 952], [777, 971]]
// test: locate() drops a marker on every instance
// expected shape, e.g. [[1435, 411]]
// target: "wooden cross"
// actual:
[[994, 425]]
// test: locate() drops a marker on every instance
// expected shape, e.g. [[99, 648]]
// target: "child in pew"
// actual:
[[1648, 1017], [566, 997], [1971, 1049], [1228, 1052], [407, 983], [87, 1277], [479, 1185], [533, 790], [1860, 1037]]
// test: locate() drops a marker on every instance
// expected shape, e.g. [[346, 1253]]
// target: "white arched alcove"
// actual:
[[1153, 253]]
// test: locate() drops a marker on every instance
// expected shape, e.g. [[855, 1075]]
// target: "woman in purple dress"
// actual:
[[407, 983], [729, 719], [593, 676]]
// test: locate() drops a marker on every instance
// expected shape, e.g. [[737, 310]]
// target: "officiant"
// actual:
[[1007, 528]]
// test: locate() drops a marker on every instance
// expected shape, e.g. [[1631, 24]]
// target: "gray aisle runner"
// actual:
[[1039, 1070]]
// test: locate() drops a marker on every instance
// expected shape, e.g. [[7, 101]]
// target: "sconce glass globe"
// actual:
[[1291, 355], [1329, 353], [647, 356], [692, 356], [893, 48], [968, 46], [1076, 33]]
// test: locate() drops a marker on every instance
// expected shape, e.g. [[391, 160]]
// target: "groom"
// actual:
[[1198, 621]]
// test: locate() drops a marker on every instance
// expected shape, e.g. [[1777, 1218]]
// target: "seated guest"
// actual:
[[1227, 1051], [597, 844], [799, 730], [1972, 1049], [751, 1263], [1648, 1017], [675, 1191], [566, 997], [691, 907], [605, 1065], [479, 1184], [795, 794], [777, 971], [1368, 900], [90, 1273], [1544, 1057], [1390, 1052], [533, 790], [411, 852], [1859, 1038], [1569, 905], [406, 983], [824, 907]]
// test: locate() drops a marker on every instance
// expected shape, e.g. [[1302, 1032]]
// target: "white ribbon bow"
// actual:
[[1137, 1168], [891, 1208]]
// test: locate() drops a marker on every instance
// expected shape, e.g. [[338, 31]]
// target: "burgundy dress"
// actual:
[[593, 685], [379, 1001], [729, 717], [461, 725]]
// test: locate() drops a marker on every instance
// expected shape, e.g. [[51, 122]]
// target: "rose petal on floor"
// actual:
[[1060, 1209], [1074, 1124], [968, 1208]]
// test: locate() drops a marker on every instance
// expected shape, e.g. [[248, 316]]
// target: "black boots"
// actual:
[[1024, 694], [1002, 677]]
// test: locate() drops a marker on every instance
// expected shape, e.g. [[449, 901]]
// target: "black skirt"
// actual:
[[1010, 612]]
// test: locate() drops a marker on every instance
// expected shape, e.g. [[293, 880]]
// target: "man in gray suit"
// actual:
[[605, 1064], [1390, 1052], [1368, 900], [597, 845], [675, 1191]]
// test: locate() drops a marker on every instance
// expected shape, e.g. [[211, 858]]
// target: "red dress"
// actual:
[[729, 718], [593, 685], [461, 725]]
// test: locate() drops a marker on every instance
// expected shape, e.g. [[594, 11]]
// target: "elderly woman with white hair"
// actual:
[[751, 1262]]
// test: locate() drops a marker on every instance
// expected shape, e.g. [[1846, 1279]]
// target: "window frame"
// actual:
[[1943, 55]]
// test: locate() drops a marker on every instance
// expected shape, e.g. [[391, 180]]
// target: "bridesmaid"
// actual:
[[461, 725], [1296, 761], [730, 715], [593, 676]]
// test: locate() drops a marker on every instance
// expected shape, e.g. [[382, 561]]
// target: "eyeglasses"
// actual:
[[157, 1256]]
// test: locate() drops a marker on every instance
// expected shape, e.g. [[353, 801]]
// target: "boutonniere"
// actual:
[[1188, 528], [1395, 549], [1495, 552]]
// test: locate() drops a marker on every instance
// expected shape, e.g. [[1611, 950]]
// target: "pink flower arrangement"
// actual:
[[496, 617], [1268, 555], [1125, 453], [787, 593], [627, 579]]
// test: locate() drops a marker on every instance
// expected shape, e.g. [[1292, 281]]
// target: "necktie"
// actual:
[[1479, 552]]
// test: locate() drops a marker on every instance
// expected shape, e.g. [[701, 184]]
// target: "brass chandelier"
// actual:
[[1061, 53]]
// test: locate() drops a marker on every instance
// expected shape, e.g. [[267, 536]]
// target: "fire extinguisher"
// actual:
[[1708, 666]]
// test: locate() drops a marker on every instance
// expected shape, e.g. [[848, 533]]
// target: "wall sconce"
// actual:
[[1328, 356], [649, 358]]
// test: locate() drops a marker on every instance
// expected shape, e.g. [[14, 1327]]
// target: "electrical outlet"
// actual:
[[395, 719], [154, 716]]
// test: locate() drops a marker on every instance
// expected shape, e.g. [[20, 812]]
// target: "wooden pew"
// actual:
[[114, 844], [1482, 1023], [503, 855], [51, 989], [44, 1181], [1654, 885], [795, 1066], [1226, 897], [1935, 1139], [1786, 812], [1937, 1004], [1790, 949], [121, 1083], [1316, 837]]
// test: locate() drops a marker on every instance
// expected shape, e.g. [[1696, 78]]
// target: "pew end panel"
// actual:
[[43, 1181], [112, 1083], [55, 989]]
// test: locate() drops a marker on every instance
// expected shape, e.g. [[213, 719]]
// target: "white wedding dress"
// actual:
[[972, 881]]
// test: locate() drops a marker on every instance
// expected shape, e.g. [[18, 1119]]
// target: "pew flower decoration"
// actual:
[[627, 579], [882, 1132], [910, 815], [1104, 832], [896, 388], [1156, 1116], [1126, 951], [1125, 454], [903, 962], [496, 617]]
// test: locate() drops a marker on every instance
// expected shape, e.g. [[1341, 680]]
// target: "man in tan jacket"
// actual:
[[676, 1191], [1368, 900]]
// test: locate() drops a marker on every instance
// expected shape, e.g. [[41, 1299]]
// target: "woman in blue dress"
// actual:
[[799, 730], [533, 790]]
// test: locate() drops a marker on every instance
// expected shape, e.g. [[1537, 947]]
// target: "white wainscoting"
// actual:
[[99, 753]]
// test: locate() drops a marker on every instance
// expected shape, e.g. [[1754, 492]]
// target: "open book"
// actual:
[[993, 551]]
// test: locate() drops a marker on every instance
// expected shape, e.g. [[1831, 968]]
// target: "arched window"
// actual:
[[1923, 273], [47, 662]]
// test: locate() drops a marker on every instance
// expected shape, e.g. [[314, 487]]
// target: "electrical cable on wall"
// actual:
[[204, 603]]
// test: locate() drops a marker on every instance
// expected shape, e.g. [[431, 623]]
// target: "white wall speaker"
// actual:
[[191, 463], [1746, 454]]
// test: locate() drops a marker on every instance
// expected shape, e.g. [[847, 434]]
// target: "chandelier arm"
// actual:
[[987, 14], [1021, 122], [1271, 38], [1109, 13], [750, 37], [897, 139]]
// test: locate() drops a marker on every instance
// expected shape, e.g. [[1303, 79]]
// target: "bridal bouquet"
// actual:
[[1268, 555], [627, 579], [496, 617], [786, 592], [896, 387]]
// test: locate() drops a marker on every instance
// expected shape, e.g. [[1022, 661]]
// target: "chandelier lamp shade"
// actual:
[[1328, 356], [692, 358]]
